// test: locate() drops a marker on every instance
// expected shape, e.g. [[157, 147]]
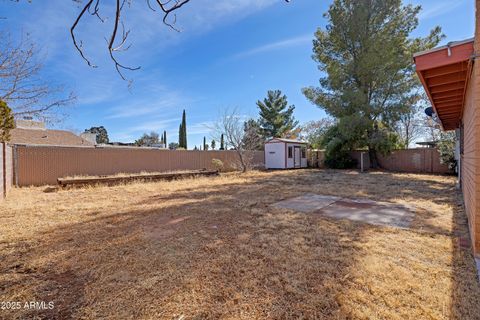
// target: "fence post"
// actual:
[[361, 161], [4, 167]]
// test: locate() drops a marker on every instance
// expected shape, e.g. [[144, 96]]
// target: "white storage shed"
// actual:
[[285, 154]]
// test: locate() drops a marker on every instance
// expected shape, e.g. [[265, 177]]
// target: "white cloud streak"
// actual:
[[282, 44], [438, 9]]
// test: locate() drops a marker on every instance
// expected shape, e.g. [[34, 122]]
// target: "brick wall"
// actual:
[[41, 165], [470, 159]]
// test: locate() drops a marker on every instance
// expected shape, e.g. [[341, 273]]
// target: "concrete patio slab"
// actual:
[[372, 213], [361, 210], [307, 203]]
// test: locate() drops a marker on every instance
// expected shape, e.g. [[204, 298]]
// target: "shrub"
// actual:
[[217, 164], [337, 156], [446, 148]]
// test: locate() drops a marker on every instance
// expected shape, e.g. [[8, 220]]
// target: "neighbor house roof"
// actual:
[[444, 73], [46, 137], [287, 140]]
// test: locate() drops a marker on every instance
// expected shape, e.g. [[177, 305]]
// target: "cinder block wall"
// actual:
[[419, 160], [42, 165]]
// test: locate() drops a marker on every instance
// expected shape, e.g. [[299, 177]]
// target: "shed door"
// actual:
[[297, 157]]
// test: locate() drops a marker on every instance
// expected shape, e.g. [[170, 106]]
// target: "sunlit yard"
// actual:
[[212, 248]]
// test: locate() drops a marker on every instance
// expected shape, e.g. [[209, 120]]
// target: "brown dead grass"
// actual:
[[211, 248]]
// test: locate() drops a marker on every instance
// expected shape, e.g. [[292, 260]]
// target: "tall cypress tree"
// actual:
[[184, 129], [180, 136], [165, 137], [276, 117], [204, 143], [222, 143]]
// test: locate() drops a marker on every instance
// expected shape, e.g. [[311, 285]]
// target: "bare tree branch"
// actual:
[[232, 126], [21, 86], [168, 9]]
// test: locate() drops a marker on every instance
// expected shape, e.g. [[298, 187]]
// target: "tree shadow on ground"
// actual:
[[223, 251], [215, 256]]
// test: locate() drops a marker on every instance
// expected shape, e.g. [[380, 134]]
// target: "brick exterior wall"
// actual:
[[470, 159], [42, 165]]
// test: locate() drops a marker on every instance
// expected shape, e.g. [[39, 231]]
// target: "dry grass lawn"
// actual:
[[213, 248]]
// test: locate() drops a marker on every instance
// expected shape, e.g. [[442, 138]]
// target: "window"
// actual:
[[304, 153], [290, 152]]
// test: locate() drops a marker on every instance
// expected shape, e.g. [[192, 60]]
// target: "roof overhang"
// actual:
[[444, 73]]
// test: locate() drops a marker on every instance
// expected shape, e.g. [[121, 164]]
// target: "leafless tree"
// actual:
[[232, 125], [410, 126], [314, 131], [21, 85]]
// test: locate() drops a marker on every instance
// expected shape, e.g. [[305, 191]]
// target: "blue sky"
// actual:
[[229, 53]]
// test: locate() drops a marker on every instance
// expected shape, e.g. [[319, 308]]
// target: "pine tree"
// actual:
[[165, 138], [222, 142], [276, 117], [213, 144], [368, 81], [204, 143]]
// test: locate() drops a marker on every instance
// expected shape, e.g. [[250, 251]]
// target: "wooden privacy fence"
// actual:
[[41, 165]]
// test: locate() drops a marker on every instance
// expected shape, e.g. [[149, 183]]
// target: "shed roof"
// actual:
[[287, 140]]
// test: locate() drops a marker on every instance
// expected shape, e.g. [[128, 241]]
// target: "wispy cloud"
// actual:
[[150, 105], [153, 125], [439, 9], [200, 128], [282, 44]]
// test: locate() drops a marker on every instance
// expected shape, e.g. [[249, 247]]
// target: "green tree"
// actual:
[[222, 142], [276, 117], [101, 132], [314, 131], [213, 144], [148, 140], [7, 122], [253, 137], [180, 136], [165, 138], [366, 54], [446, 148], [182, 132], [204, 143], [173, 146]]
